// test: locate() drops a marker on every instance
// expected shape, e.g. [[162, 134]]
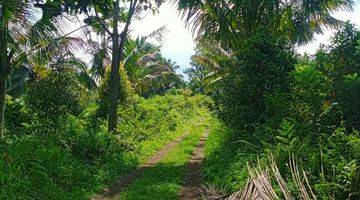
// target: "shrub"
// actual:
[[261, 69], [126, 94], [54, 95], [311, 113], [16, 114]]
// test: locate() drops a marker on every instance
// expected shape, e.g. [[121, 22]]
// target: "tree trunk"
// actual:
[[4, 68], [117, 50], [2, 107], [114, 74]]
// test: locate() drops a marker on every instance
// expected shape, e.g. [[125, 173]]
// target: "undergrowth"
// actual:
[[226, 158], [76, 157]]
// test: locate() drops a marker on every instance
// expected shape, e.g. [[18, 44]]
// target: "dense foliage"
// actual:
[[74, 159], [258, 73], [70, 127], [54, 95], [54, 106], [282, 106]]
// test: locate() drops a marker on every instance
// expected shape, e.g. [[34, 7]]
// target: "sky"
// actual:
[[178, 43]]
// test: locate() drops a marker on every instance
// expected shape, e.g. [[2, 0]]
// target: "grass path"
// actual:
[[164, 180], [193, 172], [113, 191]]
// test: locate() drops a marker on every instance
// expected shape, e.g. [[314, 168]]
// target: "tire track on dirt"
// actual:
[[193, 178], [113, 191]]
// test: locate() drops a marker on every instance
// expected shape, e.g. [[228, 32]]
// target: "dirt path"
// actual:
[[193, 178], [113, 191]]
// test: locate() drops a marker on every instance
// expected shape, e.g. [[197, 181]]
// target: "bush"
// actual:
[[341, 164], [16, 115], [36, 169], [261, 69], [226, 157], [54, 95], [310, 111], [340, 62], [126, 94]]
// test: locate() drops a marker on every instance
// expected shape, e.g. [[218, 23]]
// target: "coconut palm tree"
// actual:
[[235, 19], [143, 63], [145, 66], [159, 75], [214, 60], [116, 16], [138, 53], [28, 43], [208, 67]]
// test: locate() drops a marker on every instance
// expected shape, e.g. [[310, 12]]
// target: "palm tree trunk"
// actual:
[[2, 107], [114, 74], [4, 68], [117, 57]]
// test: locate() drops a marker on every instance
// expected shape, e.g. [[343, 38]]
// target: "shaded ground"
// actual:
[[193, 178]]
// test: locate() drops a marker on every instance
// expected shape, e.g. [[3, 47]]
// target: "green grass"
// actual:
[[163, 181], [225, 162], [76, 159], [149, 147]]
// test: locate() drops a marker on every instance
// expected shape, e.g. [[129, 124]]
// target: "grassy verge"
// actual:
[[226, 157], [163, 181]]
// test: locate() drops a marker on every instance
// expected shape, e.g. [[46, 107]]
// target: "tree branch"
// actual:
[[102, 23]]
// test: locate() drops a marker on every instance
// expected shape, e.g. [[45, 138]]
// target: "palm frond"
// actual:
[[262, 184], [157, 34]]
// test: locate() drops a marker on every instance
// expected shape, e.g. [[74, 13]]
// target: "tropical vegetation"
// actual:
[[280, 121]]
